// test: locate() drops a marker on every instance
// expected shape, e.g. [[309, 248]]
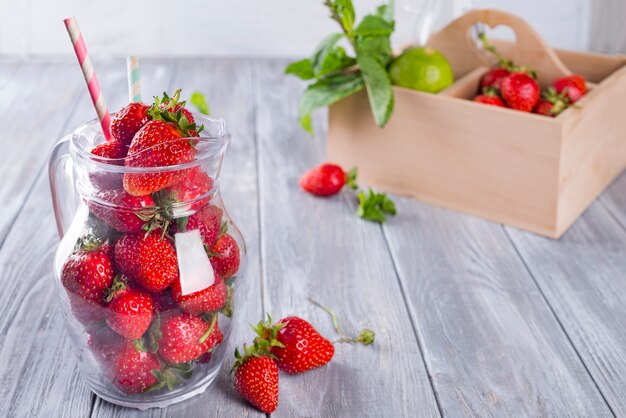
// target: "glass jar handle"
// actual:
[[62, 179]]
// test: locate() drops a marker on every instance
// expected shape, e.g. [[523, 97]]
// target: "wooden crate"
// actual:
[[525, 170]]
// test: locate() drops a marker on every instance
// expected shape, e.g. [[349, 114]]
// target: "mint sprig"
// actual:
[[374, 206], [330, 66]]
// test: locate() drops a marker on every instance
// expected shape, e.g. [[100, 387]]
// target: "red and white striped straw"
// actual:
[[90, 75]]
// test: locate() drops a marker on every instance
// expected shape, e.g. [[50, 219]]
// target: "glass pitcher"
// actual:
[[146, 282]]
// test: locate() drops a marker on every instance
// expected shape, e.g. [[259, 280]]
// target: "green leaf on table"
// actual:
[[302, 69], [199, 101], [374, 206], [326, 92], [373, 53], [373, 26]]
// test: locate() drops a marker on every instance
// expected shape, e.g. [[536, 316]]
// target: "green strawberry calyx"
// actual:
[[249, 352], [163, 109]]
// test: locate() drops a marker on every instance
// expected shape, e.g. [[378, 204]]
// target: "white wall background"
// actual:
[[278, 28]]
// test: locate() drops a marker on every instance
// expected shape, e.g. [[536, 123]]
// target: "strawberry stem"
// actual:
[[210, 330], [366, 336]]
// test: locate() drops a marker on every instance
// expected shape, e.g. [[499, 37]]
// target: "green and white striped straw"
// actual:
[[134, 79]]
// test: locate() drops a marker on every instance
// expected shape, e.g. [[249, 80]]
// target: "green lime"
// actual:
[[423, 69]]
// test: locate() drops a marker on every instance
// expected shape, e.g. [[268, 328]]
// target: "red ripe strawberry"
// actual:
[[131, 370], [122, 211], [211, 299], [112, 149], [225, 257], [574, 85], [489, 100], [256, 379], [128, 121], [300, 347], [129, 312], [149, 260], [173, 105], [87, 274], [163, 301], [520, 91], [208, 219], [552, 103], [157, 144], [327, 179], [195, 184], [186, 337], [493, 78]]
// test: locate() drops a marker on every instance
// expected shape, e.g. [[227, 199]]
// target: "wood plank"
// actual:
[[491, 343], [39, 104], [583, 277], [37, 367], [227, 85], [314, 247]]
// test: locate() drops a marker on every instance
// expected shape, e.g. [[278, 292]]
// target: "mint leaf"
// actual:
[[343, 12], [373, 26], [325, 92], [323, 49], [199, 101], [336, 60], [378, 84], [302, 69], [385, 11], [373, 206]]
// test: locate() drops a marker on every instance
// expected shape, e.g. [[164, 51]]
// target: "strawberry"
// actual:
[[225, 257], [129, 312], [552, 103], [148, 259], [163, 301], [493, 78], [211, 299], [296, 345], [173, 105], [196, 183], [520, 91], [86, 275], [132, 370], [128, 121], [208, 219], [489, 100], [157, 144], [122, 211], [256, 379], [327, 179], [573, 85], [186, 337], [112, 149]]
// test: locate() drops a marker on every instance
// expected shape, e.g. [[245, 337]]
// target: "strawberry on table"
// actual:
[[148, 259], [122, 211], [225, 256], [211, 299], [296, 345], [128, 121], [185, 337], [574, 86], [520, 91], [256, 378], [129, 311], [327, 179]]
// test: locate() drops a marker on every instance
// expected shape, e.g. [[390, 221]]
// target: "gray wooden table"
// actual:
[[472, 318]]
